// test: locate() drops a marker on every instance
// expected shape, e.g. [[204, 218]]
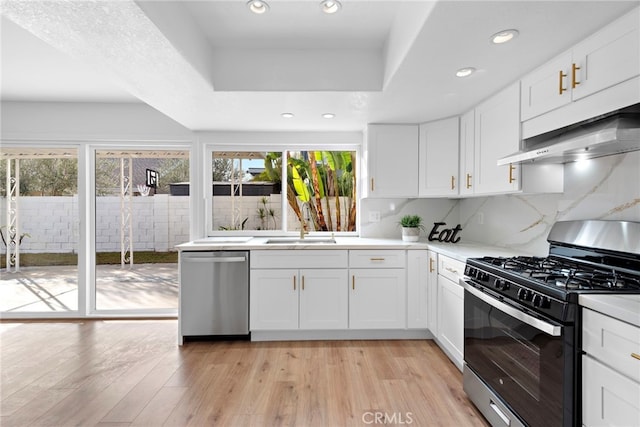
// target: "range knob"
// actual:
[[525, 294], [501, 284], [541, 301]]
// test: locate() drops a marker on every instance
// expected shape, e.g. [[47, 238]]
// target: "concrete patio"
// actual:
[[55, 288]]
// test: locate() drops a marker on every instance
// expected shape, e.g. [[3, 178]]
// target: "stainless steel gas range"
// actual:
[[522, 328]]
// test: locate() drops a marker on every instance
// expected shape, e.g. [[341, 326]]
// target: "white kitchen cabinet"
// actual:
[[391, 154], [497, 134], [610, 371], [417, 289], [438, 166], [607, 58], [324, 299], [273, 299], [312, 297], [432, 298], [377, 289], [450, 327], [467, 153]]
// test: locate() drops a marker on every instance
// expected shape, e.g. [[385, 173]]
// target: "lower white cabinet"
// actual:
[[610, 371], [450, 335], [298, 299], [377, 298], [418, 309], [432, 293]]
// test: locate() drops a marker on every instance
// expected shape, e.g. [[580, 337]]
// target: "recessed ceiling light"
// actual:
[[330, 6], [258, 6], [328, 115], [504, 36], [465, 72], [287, 115]]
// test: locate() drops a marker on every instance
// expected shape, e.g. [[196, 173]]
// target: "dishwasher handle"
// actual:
[[209, 258]]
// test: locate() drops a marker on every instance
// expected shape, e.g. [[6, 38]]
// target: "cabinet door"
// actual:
[[541, 89], [609, 57], [274, 299], [432, 284], [438, 170], [392, 158], [608, 398], [497, 134], [324, 299], [377, 299], [451, 318], [467, 152], [417, 289]]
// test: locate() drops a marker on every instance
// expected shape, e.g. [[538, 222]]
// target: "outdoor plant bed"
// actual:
[[48, 259]]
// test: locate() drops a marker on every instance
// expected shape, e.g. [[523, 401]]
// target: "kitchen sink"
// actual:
[[298, 241]]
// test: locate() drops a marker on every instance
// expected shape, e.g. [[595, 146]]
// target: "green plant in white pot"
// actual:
[[411, 227]]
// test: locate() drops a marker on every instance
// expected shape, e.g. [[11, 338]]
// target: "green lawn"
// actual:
[[44, 259]]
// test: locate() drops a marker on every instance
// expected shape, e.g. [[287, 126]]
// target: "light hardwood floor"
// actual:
[[132, 373]]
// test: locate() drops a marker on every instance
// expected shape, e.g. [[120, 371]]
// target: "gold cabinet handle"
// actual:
[[294, 283], [303, 283], [468, 180], [371, 184], [430, 265], [451, 270], [635, 356], [376, 259], [561, 77], [353, 282], [453, 182], [511, 177], [574, 82]]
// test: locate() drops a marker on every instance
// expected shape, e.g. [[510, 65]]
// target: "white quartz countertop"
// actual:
[[621, 307], [460, 251]]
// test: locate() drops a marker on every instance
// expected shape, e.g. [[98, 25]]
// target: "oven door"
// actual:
[[521, 358]]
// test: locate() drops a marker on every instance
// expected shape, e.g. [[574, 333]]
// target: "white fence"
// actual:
[[51, 223]]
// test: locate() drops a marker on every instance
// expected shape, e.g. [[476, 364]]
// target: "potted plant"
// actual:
[[411, 226]]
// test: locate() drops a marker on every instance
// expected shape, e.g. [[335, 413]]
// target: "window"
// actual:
[[280, 191]]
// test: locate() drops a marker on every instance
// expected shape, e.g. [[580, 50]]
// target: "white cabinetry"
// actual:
[[392, 160], [610, 371], [314, 296], [607, 58], [438, 169], [418, 309], [450, 327], [377, 293], [497, 134], [467, 153]]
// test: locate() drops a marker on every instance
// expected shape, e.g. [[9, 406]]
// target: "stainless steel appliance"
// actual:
[[522, 320], [214, 294]]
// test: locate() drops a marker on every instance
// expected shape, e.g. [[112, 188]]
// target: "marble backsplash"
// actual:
[[604, 188]]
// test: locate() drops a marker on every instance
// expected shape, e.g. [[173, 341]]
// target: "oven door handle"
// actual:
[[541, 325]]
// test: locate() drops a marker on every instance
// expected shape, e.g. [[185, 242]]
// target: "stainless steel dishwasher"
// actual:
[[214, 294]]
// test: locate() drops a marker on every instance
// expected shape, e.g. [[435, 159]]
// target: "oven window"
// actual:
[[520, 363]]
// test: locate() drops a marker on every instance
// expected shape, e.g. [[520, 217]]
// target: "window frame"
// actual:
[[210, 148]]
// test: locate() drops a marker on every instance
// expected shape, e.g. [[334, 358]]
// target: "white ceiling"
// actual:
[[214, 65]]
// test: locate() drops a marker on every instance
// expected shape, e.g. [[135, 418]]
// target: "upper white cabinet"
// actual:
[[497, 134], [392, 160], [607, 58], [438, 168], [467, 152]]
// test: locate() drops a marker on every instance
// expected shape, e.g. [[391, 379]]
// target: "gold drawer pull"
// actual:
[[294, 283], [371, 184], [430, 265], [451, 270], [376, 259], [303, 283], [353, 282], [453, 182], [468, 180], [635, 356], [511, 177]]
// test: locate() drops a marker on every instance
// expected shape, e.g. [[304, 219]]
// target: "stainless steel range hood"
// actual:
[[613, 133]]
